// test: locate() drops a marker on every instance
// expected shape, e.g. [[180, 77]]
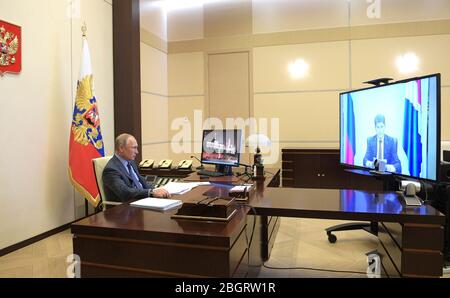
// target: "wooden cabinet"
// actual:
[[320, 168], [403, 252]]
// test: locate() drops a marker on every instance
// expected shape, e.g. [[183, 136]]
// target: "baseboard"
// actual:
[[37, 238]]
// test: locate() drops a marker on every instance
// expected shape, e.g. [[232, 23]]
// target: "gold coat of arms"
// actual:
[[10, 48]]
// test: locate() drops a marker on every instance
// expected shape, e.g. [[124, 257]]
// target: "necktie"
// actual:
[[136, 183], [380, 149]]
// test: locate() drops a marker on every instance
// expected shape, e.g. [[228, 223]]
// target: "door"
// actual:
[[229, 89]]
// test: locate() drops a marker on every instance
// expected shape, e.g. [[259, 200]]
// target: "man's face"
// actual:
[[379, 128], [130, 150]]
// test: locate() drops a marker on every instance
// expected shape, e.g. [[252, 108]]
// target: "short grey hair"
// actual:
[[122, 140]]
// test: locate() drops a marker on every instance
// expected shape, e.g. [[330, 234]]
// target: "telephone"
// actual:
[[151, 179], [185, 164], [165, 164], [147, 163]]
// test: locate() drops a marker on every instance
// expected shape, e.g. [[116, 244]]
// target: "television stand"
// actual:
[[225, 170], [371, 227], [210, 173]]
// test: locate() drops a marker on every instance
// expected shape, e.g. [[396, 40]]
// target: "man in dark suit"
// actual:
[[121, 177], [382, 147]]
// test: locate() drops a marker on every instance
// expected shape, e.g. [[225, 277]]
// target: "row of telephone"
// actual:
[[165, 164]]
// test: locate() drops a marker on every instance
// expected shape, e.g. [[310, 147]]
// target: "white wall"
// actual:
[[37, 105]]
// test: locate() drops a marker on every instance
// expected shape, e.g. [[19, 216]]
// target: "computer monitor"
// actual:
[[396, 125], [222, 148]]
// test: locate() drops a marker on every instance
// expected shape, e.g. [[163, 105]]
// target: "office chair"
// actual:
[[99, 166], [370, 227]]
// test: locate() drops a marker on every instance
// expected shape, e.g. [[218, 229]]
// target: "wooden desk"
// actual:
[[127, 241], [134, 242], [410, 239]]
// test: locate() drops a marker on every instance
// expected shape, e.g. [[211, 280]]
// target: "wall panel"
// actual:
[[308, 117], [153, 70], [375, 58], [328, 67], [153, 19], [186, 74], [154, 118], [397, 11], [157, 152], [286, 15]]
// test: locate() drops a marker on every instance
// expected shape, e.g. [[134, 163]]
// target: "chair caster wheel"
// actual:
[[332, 238]]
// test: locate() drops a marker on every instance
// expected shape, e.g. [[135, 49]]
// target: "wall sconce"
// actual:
[[407, 63], [298, 69]]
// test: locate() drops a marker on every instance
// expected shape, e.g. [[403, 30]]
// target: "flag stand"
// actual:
[[86, 208]]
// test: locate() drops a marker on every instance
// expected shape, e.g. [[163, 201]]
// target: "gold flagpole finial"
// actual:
[[84, 29]]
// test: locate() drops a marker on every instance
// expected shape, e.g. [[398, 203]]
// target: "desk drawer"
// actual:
[[288, 173], [287, 164], [414, 235], [288, 182], [408, 251], [411, 235]]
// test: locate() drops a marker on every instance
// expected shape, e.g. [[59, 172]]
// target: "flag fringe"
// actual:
[[93, 201]]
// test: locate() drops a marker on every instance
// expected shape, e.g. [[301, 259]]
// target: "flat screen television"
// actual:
[[222, 148], [397, 123]]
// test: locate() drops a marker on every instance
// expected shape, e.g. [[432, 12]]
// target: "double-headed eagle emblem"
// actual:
[[86, 120], [9, 44]]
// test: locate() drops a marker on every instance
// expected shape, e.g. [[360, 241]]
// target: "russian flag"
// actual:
[[86, 141], [412, 141], [350, 146]]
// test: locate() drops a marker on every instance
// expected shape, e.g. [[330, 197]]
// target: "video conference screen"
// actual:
[[397, 124], [221, 147]]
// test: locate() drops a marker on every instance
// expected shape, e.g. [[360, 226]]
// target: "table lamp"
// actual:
[[257, 140]]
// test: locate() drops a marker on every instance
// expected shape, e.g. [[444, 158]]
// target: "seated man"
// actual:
[[121, 177], [382, 147]]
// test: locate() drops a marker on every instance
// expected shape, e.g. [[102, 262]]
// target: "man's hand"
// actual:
[[160, 193], [390, 168]]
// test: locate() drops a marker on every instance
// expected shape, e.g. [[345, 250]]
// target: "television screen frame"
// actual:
[[438, 125], [239, 145]]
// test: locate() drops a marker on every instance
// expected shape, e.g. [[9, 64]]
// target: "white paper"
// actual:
[[157, 204], [240, 188], [177, 188]]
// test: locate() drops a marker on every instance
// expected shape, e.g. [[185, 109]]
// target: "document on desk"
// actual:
[[241, 188], [157, 204], [179, 188]]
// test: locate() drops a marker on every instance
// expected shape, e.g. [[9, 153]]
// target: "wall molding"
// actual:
[[299, 91], [392, 30], [154, 93], [154, 41], [188, 95], [155, 143]]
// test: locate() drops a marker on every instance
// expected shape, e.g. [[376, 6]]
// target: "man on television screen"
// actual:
[[382, 147]]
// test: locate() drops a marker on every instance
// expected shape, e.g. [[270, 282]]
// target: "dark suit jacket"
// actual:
[[118, 183], [390, 152]]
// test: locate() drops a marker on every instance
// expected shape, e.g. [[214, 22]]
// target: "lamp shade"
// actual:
[[257, 140]]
